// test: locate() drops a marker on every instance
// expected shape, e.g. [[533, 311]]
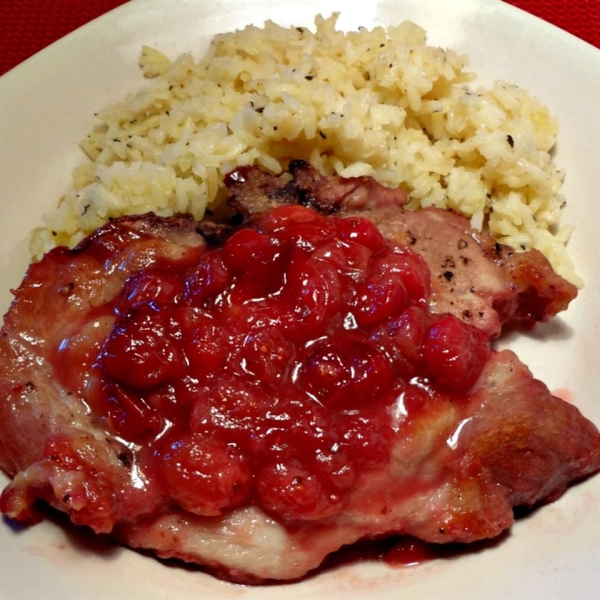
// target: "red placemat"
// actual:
[[27, 26], [579, 17]]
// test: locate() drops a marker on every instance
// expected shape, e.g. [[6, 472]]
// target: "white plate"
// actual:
[[47, 106]]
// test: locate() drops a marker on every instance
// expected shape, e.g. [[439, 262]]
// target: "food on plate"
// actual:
[[377, 102], [260, 325], [252, 394], [473, 277]]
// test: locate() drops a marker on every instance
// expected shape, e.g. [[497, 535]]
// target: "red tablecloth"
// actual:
[[27, 26]]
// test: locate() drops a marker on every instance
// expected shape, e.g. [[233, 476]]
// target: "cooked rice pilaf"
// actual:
[[377, 102]]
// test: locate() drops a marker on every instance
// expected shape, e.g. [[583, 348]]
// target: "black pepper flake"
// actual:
[[511, 142], [66, 498], [260, 110], [498, 248], [442, 531], [465, 260], [467, 314], [124, 458], [309, 77], [448, 275], [167, 113], [322, 135], [382, 45]]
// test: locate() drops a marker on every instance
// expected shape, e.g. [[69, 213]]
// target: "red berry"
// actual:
[[203, 475], [312, 296], [306, 236], [349, 258], [363, 440], [241, 248], [361, 231], [149, 286], [283, 216], [380, 297], [294, 493], [230, 411], [407, 333], [346, 374], [455, 353], [139, 351], [266, 355], [335, 467], [209, 279], [169, 401], [128, 415], [413, 271], [204, 342]]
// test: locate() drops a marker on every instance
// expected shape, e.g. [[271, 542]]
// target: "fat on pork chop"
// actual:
[[252, 398]]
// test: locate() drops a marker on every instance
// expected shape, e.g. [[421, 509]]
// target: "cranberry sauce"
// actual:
[[267, 371]]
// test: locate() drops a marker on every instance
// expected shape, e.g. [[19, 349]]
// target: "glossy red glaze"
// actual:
[[410, 552], [265, 371]]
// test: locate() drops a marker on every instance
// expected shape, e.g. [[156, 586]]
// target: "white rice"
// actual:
[[375, 102]]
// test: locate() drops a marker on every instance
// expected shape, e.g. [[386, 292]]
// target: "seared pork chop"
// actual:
[[250, 399], [473, 277]]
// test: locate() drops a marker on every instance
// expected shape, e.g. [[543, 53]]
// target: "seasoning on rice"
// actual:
[[377, 102]]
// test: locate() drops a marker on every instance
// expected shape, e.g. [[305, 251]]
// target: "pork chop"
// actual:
[[250, 399], [473, 277]]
